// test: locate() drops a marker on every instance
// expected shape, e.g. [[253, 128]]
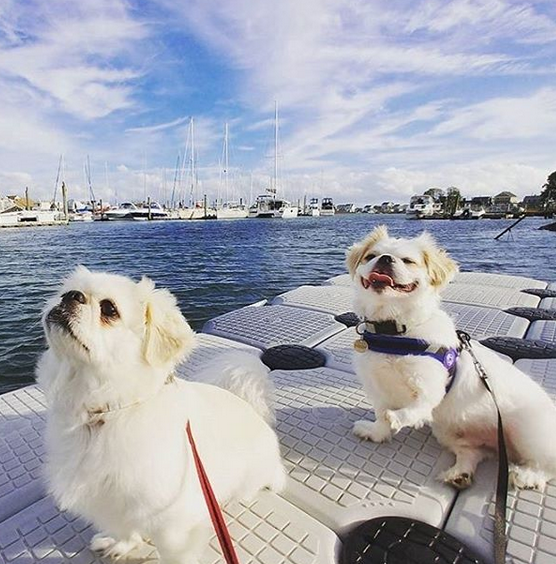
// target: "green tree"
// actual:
[[436, 193], [453, 199], [548, 194]]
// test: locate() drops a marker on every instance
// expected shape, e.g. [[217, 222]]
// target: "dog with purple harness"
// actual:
[[411, 364]]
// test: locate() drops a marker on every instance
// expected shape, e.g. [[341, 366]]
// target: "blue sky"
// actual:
[[378, 100]]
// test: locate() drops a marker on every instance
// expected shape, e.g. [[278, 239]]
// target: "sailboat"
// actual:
[[196, 209], [229, 209], [268, 205]]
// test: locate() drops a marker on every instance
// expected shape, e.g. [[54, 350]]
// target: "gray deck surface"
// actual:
[[548, 303], [329, 299], [268, 326], [489, 296], [542, 330], [335, 480]]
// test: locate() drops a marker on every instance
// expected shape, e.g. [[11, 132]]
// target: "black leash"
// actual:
[[500, 539]]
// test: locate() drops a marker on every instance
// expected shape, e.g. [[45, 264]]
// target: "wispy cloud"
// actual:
[[158, 127]]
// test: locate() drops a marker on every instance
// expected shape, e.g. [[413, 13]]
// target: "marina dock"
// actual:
[[336, 480]]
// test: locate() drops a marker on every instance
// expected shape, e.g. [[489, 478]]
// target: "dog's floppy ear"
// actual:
[[440, 266], [168, 337], [356, 252]]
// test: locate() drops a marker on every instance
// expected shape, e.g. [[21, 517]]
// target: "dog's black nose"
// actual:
[[385, 259], [74, 296]]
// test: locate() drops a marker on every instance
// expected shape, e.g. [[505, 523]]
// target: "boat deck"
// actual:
[[335, 480]]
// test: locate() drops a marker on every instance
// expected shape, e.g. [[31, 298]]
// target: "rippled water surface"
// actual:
[[217, 266]]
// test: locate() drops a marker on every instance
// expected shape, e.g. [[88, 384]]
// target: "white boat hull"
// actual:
[[196, 213], [232, 213], [287, 212]]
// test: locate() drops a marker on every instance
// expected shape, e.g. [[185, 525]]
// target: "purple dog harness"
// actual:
[[403, 346]]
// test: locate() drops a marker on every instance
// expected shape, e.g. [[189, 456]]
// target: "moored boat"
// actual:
[[327, 207], [420, 207]]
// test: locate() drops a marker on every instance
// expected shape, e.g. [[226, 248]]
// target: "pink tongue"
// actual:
[[378, 277]]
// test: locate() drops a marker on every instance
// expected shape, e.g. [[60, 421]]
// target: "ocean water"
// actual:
[[217, 266]]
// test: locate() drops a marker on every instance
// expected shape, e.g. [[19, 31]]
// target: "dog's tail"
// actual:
[[244, 375]]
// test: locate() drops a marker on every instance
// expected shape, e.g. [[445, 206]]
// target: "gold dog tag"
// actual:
[[360, 345]]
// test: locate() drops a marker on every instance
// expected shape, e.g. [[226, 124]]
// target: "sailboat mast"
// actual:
[[57, 179], [226, 161], [275, 148], [192, 195]]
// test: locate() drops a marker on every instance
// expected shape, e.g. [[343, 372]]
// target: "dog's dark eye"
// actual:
[[370, 257], [408, 261], [108, 309]]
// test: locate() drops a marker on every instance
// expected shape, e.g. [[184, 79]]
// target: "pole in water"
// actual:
[[510, 227]]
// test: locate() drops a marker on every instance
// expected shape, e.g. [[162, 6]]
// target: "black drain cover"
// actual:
[[349, 319], [541, 292], [292, 357], [533, 313], [399, 540], [520, 348]]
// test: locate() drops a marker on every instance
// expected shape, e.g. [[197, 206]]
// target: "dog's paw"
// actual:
[[371, 431], [394, 420], [108, 547], [101, 543], [524, 478], [454, 477]]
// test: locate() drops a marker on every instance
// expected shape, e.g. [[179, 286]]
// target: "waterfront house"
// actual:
[[505, 203], [345, 208], [387, 207], [532, 204]]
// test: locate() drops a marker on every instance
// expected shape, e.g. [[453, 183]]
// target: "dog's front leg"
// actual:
[[378, 431], [460, 475], [426, 396]]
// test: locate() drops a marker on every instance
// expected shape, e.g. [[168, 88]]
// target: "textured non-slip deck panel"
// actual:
[[542, 371], [551, 286], [22, 450], [543, 331], [481, 322], [340, 479], [531, 519], [548, 303], [338, 350], [268, 326], [267, 530], [500, 280], [490, 296], [340, 280], [208, 348], [329, 299], [25, 405]]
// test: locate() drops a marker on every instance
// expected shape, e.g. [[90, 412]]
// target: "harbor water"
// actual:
[[216, 266]]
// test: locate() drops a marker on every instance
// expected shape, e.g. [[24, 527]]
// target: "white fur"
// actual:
[[409, 391], [130, 471]]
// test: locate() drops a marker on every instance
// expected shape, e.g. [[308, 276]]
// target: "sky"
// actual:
[[377, 100]]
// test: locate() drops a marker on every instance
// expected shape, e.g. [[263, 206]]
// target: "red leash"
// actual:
[[214, 509]]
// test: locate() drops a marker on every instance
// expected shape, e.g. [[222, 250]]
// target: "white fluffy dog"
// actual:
[[397, 284], [116, 442]]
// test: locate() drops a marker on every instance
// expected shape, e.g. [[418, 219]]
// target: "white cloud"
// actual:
[[51, 46], [506, 118], [158, 127]]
